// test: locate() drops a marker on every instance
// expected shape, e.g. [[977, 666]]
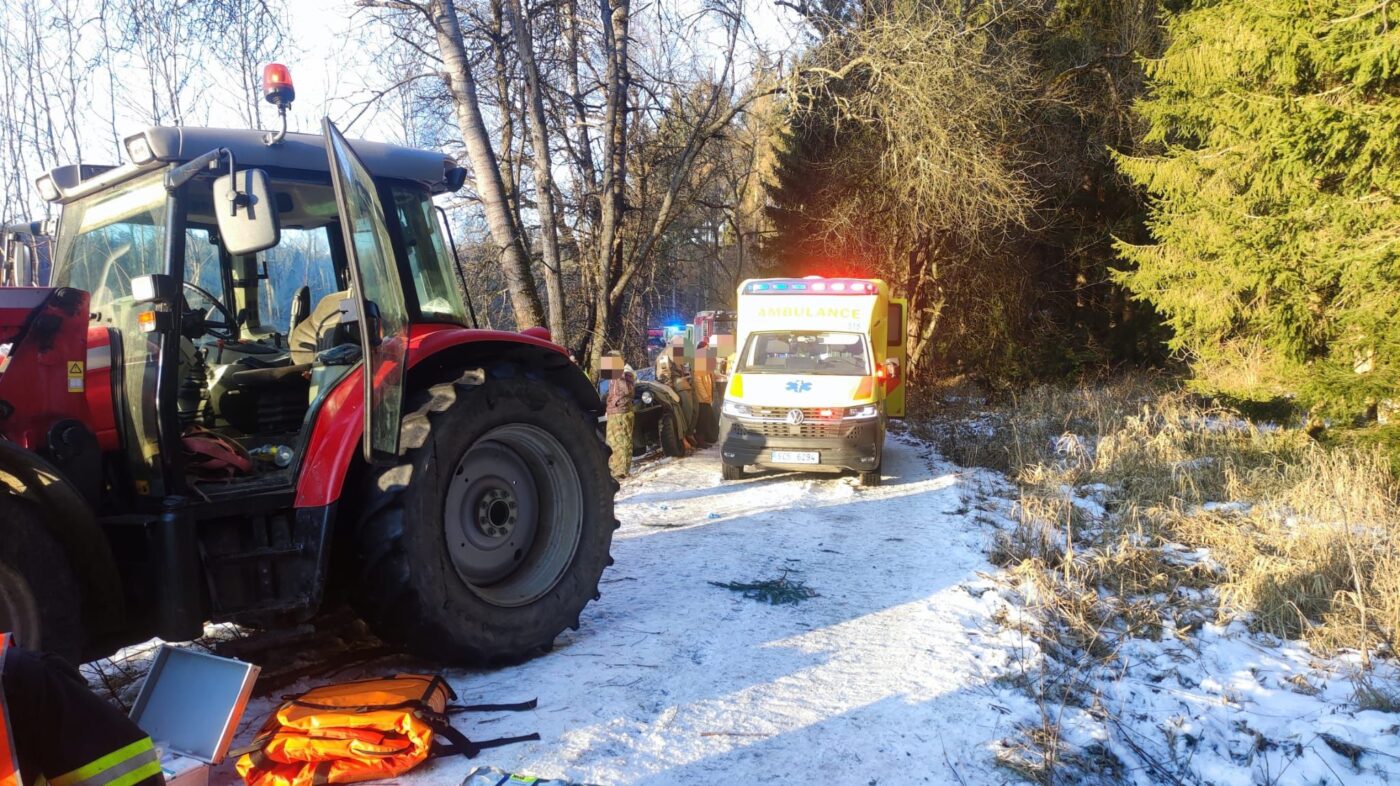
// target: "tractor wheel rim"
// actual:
[[19, 611], [513, 515]]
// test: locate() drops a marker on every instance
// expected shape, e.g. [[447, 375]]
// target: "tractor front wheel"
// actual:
[[39, 598], [490, 535], [668, 431]]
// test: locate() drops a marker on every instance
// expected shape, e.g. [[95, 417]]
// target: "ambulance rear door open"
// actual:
[[895, 334]]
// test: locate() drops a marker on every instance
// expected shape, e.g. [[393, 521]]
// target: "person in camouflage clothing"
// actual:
[[621, 383]]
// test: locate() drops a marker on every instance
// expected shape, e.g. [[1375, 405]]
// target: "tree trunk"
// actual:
[[507, 159], [923, 312], [615, 17], [583, 144], [490, 188], [544, 179]]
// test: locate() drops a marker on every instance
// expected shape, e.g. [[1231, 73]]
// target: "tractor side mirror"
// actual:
[[246, 212]]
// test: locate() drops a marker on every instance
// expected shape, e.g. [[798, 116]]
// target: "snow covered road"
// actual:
[[883, 677]]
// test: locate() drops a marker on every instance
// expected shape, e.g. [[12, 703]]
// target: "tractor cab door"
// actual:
[[895, 337], [376, 292]]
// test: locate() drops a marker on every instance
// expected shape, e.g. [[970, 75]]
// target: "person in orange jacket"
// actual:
[[52, 726], [703, 383]]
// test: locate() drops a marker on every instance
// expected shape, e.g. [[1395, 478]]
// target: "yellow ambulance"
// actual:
[[819, 370]]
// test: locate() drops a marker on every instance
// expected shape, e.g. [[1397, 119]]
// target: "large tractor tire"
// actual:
[[40, 602], [489, 537]]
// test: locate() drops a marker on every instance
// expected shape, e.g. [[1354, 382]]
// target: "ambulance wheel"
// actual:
[[871, 478], [669, 431], [488, 538], [731, 471], [39, 599]]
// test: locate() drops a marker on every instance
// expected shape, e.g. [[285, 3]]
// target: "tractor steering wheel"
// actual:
[[224, 329]]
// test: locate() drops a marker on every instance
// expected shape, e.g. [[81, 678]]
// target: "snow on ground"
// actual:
[[884, 677], [899, 671], [1228, 707]]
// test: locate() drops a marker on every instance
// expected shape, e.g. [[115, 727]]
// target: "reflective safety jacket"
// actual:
[[359, 731], [53, 726]]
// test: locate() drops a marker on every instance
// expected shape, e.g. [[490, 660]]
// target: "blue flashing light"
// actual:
[[762, 287], [780, 286], [799, 286]]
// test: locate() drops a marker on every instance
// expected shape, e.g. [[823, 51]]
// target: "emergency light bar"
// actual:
[[837, 286]]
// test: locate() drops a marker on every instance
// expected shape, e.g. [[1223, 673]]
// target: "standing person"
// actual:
[[665, 366], [672, 371], [703, 382], [670, 363], [621, 383], [61, 732]]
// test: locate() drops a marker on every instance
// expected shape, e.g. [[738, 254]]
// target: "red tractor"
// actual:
[[253, 382]]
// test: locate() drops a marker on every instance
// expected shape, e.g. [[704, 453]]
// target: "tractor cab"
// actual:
[[234, 283], [254, 376]]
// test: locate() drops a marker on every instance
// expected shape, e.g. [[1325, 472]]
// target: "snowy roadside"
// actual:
[[1159, 662], [893, 673]]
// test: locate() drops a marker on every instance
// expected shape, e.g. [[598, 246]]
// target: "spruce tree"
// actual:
[[1277, 233]]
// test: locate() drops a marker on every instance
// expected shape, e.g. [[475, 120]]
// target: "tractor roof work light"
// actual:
[[48, 189], [138, 149], [278, 90]]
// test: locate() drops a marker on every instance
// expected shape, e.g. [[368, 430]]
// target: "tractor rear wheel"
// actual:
[[490, 535], [39, 599]]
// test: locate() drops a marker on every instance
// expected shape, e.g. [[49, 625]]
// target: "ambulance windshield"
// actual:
[[802, 352]]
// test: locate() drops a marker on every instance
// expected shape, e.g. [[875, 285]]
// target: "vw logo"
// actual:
[[794, 416]]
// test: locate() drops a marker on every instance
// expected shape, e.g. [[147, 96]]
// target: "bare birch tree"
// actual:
[[543, 169]]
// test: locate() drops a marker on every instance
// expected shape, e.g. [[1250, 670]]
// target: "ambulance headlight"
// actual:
[[647, 397], [736, 410], [863, 413]]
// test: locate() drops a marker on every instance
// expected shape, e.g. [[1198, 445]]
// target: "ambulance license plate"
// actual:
[[796, 457]]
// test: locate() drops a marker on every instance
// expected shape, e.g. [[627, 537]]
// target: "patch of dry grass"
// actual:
[[1308, 546], [1123, 484], [1039, 754]]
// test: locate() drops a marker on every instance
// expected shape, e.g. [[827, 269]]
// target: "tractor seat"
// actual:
[[321, 329]]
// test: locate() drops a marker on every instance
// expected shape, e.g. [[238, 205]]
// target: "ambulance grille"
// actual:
[[808, 413], [806, 429]]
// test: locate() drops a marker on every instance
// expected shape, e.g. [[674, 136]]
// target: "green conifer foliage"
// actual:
[[1277, 253]]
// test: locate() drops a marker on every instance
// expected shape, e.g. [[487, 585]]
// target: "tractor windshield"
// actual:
[[111, 237]]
